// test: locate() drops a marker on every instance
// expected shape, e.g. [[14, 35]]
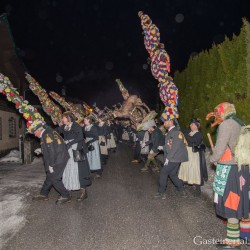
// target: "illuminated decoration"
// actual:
[[90, 112], [132, 108], [87, 108], [48, 105], [33, 117], [160, 67], [68, 106]]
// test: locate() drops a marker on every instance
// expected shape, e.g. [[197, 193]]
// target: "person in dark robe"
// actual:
[[76, 175], [194, 171], [137, 149], [92, 140], [103, 133], [119, 130]]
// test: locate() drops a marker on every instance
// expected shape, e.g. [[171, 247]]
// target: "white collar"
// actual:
[[193, 132], [88, 127], [171, 128], [68, 127], [42, 133]]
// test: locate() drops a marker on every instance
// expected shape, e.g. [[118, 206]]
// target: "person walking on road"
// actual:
[[175, 152], [56, 156]]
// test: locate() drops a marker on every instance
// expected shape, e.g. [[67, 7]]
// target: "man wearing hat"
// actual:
[[156, 140], [56, 156], [175, 152]]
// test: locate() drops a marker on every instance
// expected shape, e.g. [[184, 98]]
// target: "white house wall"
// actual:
[[6, 142]]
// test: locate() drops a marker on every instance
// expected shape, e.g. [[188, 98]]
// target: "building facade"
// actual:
[[12, 124]]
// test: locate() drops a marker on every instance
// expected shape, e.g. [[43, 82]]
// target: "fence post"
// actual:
[[28, 151], [21, 148]]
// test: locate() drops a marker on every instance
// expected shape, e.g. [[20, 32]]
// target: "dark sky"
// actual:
[[91, 43]]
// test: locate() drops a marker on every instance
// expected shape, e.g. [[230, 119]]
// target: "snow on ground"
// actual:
[[11, 216], [16, 183], [13, 156]]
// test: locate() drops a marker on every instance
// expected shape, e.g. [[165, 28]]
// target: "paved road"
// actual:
[[119, 214]]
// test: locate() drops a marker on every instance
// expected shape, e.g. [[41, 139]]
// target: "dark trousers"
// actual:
[[170, 170], [84, 174], [119, 135], [55, 180], [103, 159], [137, 151]]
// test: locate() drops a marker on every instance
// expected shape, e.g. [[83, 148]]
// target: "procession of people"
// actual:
[[76, 151], [76, 148], [73, 152]]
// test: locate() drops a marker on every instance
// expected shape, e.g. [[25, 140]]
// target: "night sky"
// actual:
[[87, 44]]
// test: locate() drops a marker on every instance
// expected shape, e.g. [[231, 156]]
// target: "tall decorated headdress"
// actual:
[[123, 90], [33, 117], [78, 113], [48, 105], [160, 67]]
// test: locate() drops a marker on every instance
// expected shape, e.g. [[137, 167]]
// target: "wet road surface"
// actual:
[[120, 213]]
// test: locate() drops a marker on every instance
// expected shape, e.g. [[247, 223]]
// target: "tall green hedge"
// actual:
[[214, 76]]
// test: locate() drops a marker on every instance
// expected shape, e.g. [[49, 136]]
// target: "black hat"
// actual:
[[196, 122]]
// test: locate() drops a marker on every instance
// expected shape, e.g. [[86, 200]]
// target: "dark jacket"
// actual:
[[140, 135], [93, 133], [75, 134], [103, 130], [54, 149], [175, 149], [195, 140], [118, 131], [112, 128], [156, 140]]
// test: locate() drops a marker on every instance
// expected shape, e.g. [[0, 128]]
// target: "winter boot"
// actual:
[[40, 198], [145, 169], [63, 200], [83, 194]]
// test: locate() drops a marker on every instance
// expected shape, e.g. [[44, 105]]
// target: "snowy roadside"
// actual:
[[13, 156], [16, 183]]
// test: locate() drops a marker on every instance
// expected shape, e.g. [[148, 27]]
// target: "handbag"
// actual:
[[199, 148], [102, 143], [91, 148], [79, 155]]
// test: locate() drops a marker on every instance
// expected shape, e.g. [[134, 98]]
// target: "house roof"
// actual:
[[10, 63]]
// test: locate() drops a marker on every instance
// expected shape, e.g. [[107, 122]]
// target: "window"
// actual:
[[20, 123], [12, 127], [1, 129]]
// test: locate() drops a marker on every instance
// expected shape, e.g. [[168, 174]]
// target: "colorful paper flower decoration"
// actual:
[[160, 67], [33, 117], [48, 105], [78, 113]]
